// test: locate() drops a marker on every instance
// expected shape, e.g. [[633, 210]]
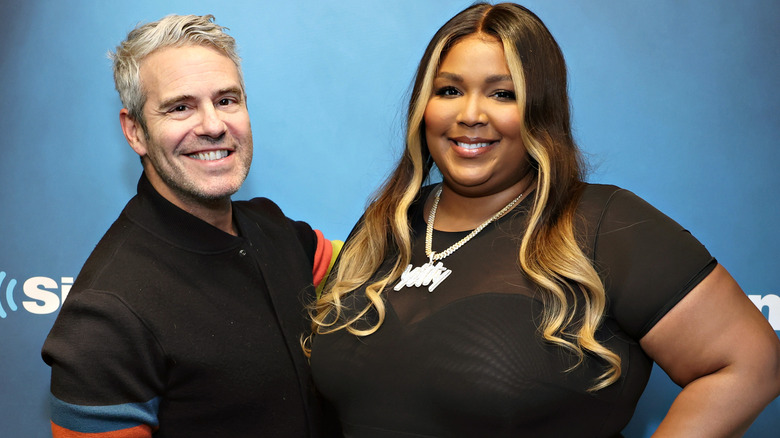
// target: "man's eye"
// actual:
[[225, 101], [179, 108]]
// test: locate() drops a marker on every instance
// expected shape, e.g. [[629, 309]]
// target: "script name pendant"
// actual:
[[426, 275], [430, 274]]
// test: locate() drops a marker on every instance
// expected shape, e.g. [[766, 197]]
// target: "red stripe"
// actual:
[[140, 431], [322, 257]]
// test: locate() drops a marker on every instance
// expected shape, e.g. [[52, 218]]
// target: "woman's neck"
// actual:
[[460, 212]]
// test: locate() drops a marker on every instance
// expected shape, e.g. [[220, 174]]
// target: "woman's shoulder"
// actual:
[[596, 199], [599, 193], [605, 208]]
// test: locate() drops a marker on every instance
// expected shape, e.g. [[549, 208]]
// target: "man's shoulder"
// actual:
[[260, 206], [266, 212], [118, 254]]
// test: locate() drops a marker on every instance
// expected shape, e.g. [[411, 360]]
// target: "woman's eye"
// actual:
[[447, 91], [505, 95]]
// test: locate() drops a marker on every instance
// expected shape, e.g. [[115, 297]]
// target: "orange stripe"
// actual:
[[140, 431]]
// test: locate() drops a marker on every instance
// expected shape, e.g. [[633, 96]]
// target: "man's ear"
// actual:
[[133, 131]]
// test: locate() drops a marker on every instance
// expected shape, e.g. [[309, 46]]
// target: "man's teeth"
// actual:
[[473, 145], [210, 156]]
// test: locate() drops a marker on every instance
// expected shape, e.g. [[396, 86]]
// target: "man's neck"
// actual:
[[220, 216], [217, 212]]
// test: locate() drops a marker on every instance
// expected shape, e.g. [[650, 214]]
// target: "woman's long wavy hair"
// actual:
[[571, 290]]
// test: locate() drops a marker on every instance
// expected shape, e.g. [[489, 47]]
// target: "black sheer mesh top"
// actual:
[[466, 360]]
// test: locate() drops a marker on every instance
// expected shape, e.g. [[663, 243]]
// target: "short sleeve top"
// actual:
[[467, 359]]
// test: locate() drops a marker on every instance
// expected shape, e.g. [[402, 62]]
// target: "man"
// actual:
[[186, 319]]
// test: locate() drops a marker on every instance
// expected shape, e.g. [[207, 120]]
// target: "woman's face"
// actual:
[[472, 121]]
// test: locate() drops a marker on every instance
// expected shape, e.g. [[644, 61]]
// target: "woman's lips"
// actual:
[[471, 147]]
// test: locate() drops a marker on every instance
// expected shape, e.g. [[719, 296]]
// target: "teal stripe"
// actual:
[[96, 419]]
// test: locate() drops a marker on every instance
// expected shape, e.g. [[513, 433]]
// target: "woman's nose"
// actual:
[[472, 113]]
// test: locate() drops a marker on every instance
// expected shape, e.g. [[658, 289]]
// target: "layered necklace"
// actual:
[[432, 274]]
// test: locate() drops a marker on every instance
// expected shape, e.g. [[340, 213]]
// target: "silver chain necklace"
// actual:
[[430, 274]]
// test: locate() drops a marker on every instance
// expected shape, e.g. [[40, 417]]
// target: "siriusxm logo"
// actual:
[[770, 305], [45, 294]]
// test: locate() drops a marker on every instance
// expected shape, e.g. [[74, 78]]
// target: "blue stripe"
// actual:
[[96, 419]]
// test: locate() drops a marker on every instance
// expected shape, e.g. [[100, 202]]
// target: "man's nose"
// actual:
[[211, 123]]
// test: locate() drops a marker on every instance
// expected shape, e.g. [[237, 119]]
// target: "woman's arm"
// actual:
[[721, 350]]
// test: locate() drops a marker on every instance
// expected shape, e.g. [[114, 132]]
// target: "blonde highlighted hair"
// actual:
[[549, 254]]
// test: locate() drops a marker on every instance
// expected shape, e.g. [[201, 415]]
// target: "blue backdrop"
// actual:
[[677, 100]]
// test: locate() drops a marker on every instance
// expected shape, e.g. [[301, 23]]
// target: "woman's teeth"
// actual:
[[472, 145]]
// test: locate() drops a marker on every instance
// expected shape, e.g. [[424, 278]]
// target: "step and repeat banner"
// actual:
[[678, 101]]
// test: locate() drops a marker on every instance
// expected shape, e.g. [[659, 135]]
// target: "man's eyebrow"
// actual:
[[167, 103], [173, 101], [229, 90], [458, 78]]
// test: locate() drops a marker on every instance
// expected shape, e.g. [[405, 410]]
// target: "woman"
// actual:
[[513, 299]]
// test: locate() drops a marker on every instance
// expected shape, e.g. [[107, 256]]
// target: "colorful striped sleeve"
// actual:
[[128, 420], [324, 258]]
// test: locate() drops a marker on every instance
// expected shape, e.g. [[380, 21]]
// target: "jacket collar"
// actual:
[[152, 212]]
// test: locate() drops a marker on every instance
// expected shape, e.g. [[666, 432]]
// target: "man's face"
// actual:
[[198, 146]]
